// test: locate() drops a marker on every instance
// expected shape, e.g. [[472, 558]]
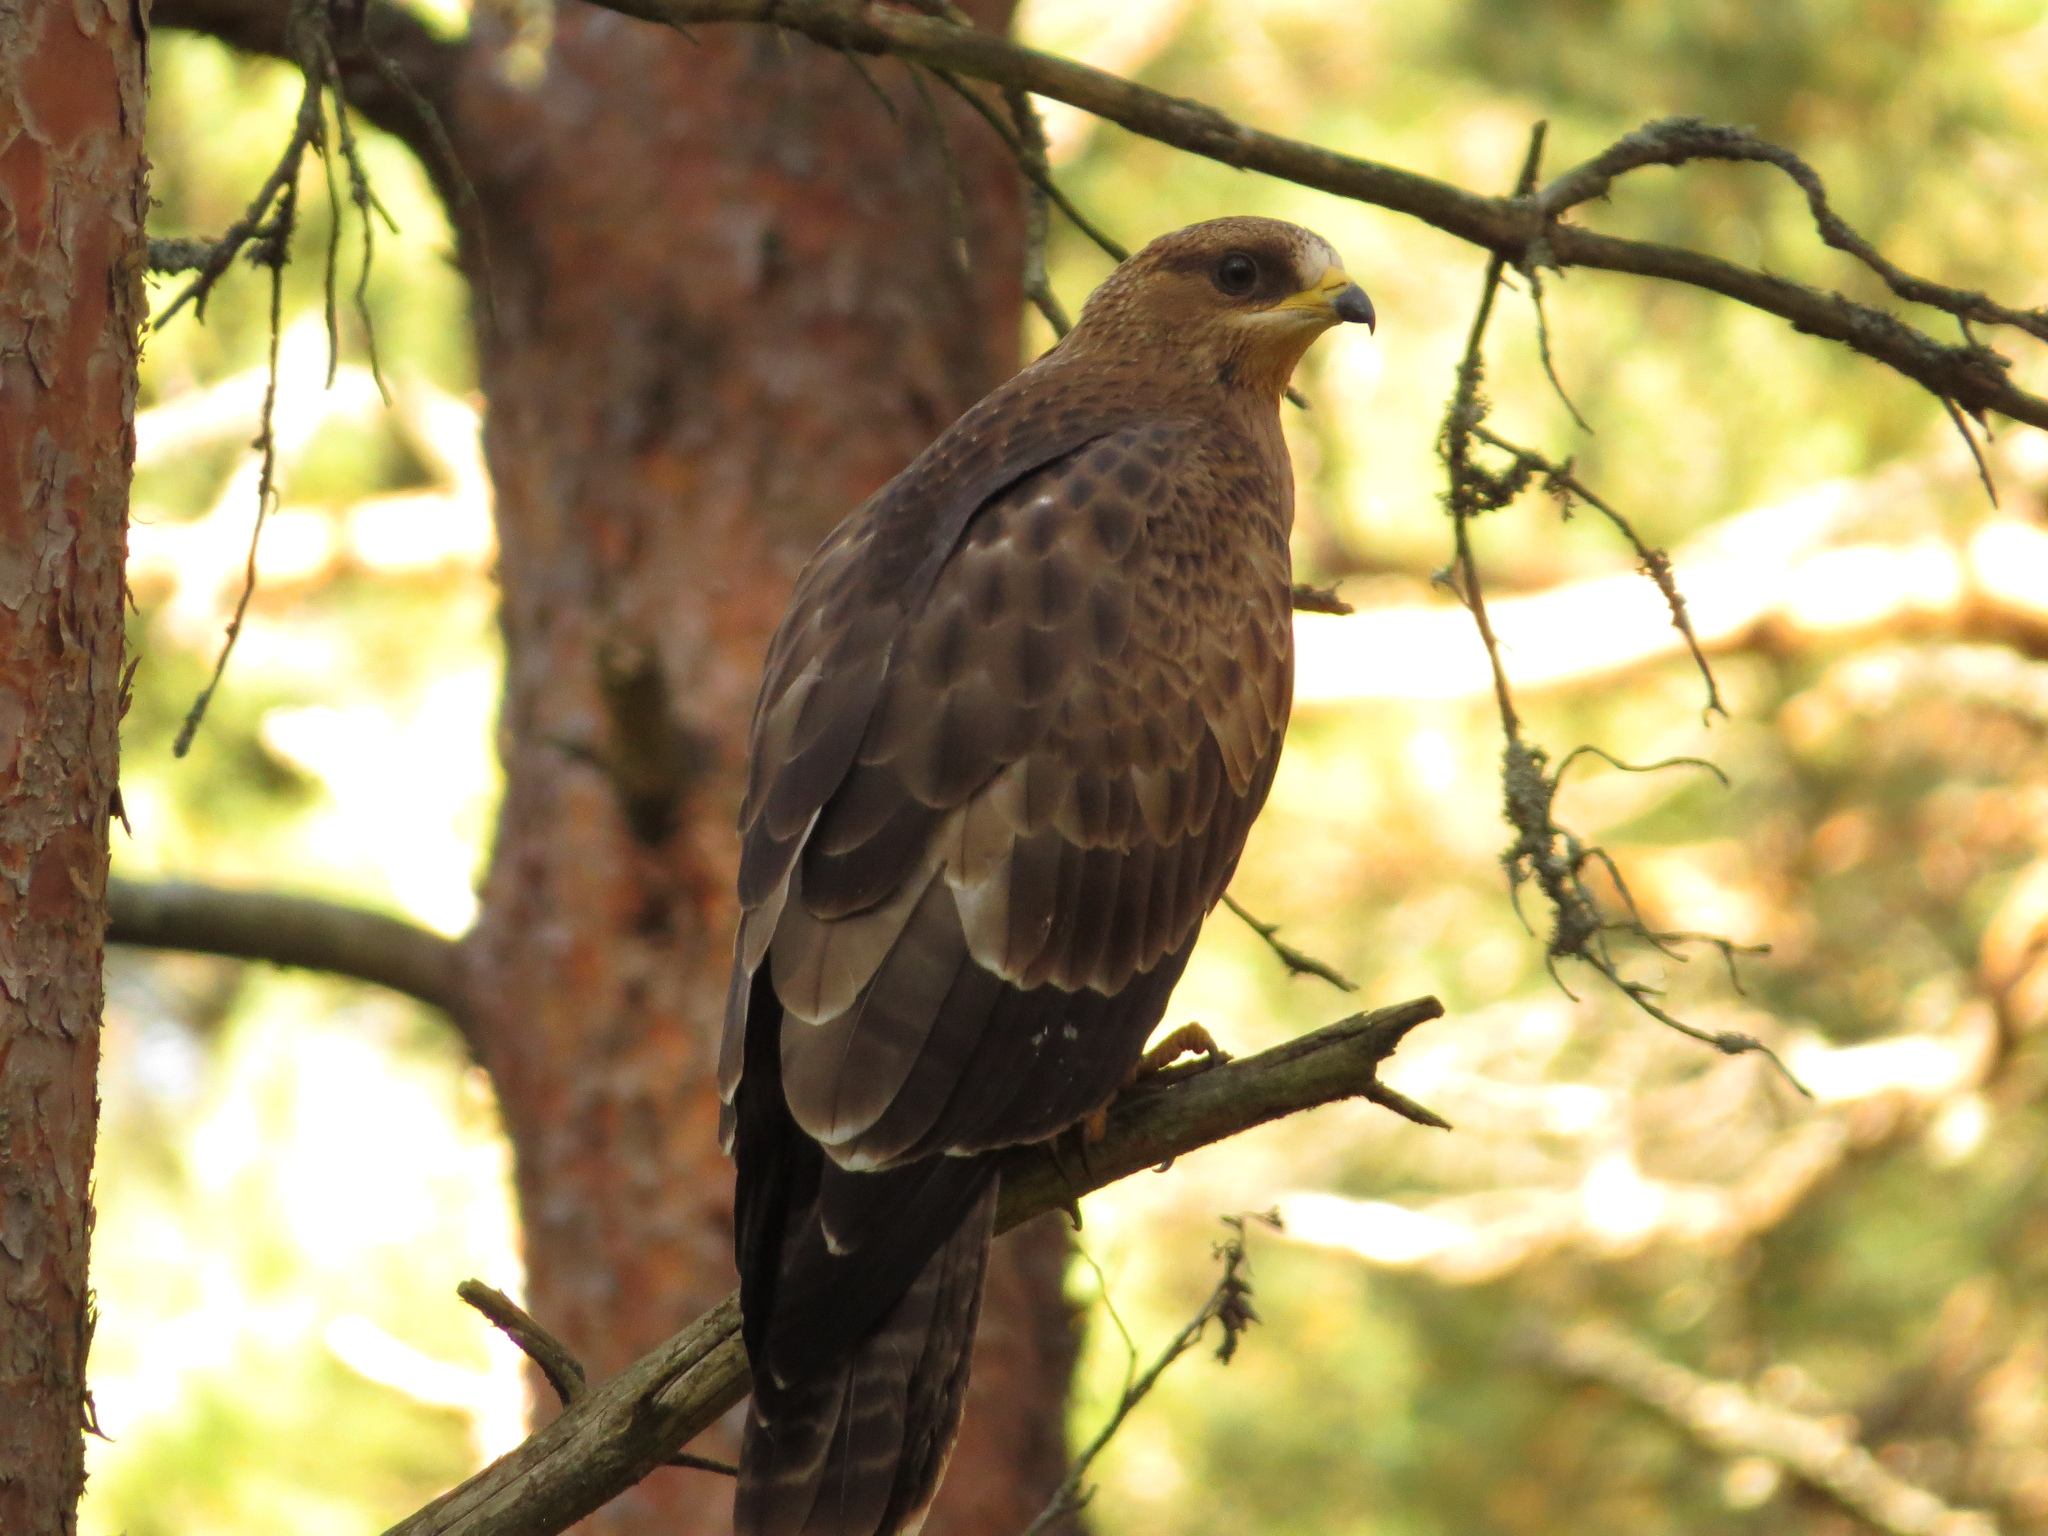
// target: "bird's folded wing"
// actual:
[[1045, 772]]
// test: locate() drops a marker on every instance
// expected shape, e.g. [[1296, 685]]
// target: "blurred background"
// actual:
[[1641, 1287]]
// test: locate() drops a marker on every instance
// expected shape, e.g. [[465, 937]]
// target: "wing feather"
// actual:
[[1058, 760], [840, 1075]]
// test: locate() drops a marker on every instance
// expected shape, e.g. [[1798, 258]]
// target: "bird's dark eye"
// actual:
[[1237, 274]]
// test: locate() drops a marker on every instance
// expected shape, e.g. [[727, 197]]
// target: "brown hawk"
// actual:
[[1011, 734]]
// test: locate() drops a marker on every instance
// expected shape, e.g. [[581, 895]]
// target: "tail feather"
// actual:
[[859, 1450]]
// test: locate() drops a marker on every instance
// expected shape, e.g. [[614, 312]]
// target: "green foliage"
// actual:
[[1884, 822], [1873, 830], [289, 1168]]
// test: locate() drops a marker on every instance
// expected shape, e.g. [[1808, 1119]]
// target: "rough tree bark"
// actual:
[[729, 303], [72, 195]]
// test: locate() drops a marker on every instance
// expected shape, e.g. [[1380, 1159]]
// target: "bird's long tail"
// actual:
[[859, 1451]]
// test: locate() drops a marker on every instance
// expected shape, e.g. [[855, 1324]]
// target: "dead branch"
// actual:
[[277, 239], [292, 930], [1729, 1420], [170, 256], [1523, 230], [1675, 141], [1314, 599], [1297, 963], [388, 41], [1229, 1304], [1526, 231], [311, 37], [619, 1431], [555, 1359], [1568, 489], [561, 1367], [1543, 852]]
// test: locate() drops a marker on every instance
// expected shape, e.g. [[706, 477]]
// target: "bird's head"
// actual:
[[1240, 298]]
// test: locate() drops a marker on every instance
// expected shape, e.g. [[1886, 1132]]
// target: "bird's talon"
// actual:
[[1187, 1040]]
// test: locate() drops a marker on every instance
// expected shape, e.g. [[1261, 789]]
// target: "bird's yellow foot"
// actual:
[[1187, 1040]]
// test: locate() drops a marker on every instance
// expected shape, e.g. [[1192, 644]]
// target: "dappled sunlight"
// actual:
[[402, 789], [294, 1173], [333, 1185]]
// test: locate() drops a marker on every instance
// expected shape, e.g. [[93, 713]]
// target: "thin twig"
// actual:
[[956, 190], [874, 86], [562, 1369], [1544, 852], [1559, 480], [1229, 1304], [263, 221], [1116, 1318], [1962, 424], [1313, 599], [1676, 140], [1040, 178], [275, 246], [702, 1464], [329, 307], [1612, 761], [634, 1422], [1297, 963], [469, 207], [366, 204], [1535, 276], [1032, 146]]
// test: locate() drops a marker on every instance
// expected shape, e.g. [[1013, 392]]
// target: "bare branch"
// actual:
[[292, 930], [170, 256], [623, 1429], [1544, 852], [394, 70], [562, 1369], [265, 227], [1525, 230], [275, 248], [1729, 1420], [956, 189], [1311, 599], [1676, 140], [1297, 963], [1031, 161], [1559, 480], [1031, 147], [1228, 1304], [1519, 228]]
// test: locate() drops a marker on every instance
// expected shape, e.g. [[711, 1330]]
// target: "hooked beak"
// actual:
[[1334, 298]]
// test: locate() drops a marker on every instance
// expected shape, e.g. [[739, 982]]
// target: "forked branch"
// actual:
[[1545, 853], [1228, 1305], [616, 1433], [1527, 231]]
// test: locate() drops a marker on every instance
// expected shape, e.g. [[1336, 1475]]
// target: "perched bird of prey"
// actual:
[[1012, 731]]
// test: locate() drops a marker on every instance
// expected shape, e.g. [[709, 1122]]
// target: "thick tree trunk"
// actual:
[[72, 193], [729, 303]]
